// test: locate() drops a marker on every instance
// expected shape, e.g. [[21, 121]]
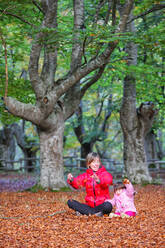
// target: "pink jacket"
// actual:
[[125, 201]]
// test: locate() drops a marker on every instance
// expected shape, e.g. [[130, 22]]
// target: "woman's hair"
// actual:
[[90, 157], [118, 186]]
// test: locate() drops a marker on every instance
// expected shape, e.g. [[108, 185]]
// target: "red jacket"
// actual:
[[96, 193]]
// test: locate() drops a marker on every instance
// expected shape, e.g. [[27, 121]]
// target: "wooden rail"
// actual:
[[73, 161]]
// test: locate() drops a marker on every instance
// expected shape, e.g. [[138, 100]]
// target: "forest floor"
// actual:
[[43, 220]]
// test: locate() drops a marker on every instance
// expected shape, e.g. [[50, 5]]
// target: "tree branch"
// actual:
[[108, 113], [77, 49], [125, 15], [28, 112], [146, 113], [99, 62], [72, 95], [49, 65], [79, 129], [98, 8], [18, 17], [33, 66], [154, 8], [108, 12], [38, 6], [100, 110], [114, 12], [50, 47], [94, 79]]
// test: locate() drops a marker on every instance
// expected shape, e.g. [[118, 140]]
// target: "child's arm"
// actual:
[[129, 187], [112, 201]]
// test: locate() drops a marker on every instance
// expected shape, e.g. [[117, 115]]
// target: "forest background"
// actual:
[[84, 75]]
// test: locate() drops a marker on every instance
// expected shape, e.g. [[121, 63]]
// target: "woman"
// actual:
[[96, 180]]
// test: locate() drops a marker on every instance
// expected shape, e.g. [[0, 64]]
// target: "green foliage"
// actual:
[[149, 73], [63, 189], [151, 65], [15, 34], [20, 89], [142, 6], [92, 126], [36, 188]]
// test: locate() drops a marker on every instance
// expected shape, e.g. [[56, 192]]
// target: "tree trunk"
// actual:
[[51, 158], [134, 126], [159, 140], [85, 149], [7, 146], [151, 146], [136, 167]]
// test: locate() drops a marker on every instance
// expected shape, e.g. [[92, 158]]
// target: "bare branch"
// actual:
[[50, 50], [146, 113], [93, 80], [114, 12], [108, 113], [77, 49], [26, 111], [50, 56], [18, 17], [108, 12], [100, 110], [83, 50], [125, 15], [38, 6], [154, 8], [33, 66], [98, 8], [79, 129], [76, 57]]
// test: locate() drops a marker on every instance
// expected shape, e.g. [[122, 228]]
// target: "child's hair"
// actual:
[[118, 186], [90, 157]]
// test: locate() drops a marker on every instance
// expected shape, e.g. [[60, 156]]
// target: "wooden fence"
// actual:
[[18, 165], [73, 162]]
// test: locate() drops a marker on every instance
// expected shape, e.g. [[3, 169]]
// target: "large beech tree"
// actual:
[[136, 122], [56, 100], [94, 39]]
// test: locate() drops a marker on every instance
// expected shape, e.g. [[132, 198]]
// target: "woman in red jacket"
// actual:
[[96, 181]]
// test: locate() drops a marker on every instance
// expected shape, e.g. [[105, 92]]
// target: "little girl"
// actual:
[[123, 200]]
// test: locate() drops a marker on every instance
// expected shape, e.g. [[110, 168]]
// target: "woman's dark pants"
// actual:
[[105, 207]]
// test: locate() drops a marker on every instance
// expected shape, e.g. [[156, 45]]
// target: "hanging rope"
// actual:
[[6, 67], [33, 217]]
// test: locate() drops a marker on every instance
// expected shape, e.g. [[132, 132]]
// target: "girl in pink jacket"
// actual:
[[123, 200]]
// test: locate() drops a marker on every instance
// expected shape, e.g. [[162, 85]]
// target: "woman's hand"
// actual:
[[126, 181], [96, 178], [70, 177]]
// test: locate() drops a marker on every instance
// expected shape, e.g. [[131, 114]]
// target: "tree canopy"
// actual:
[[65, 48]]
